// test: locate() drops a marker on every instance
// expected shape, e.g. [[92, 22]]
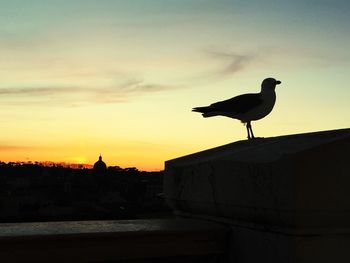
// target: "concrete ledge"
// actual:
[[300, 182], [112, 241], [285, 199]]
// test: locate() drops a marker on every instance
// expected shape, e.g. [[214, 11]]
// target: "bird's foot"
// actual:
[[251, 139]]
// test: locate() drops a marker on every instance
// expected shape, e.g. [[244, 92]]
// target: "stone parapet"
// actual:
[[288, 188]]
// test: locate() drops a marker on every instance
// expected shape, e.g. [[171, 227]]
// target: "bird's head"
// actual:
[[269, 84]]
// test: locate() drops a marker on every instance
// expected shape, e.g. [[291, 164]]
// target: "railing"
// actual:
[[156, 240]]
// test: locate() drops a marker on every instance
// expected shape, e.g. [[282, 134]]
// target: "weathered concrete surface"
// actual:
[[253, 245], [286, 198], [297, 181]]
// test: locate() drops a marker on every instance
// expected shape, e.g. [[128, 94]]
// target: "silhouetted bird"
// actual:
[[246, 107]]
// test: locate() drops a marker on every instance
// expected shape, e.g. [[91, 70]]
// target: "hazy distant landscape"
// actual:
[[34, 192]]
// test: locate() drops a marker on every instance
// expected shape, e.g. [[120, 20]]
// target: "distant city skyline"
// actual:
[[66, 164], [80, 78]]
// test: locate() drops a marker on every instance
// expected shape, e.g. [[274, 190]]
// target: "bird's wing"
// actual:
[[239, 104]]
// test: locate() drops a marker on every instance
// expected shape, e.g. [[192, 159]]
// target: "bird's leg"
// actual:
[[250, 131], [249, 126]]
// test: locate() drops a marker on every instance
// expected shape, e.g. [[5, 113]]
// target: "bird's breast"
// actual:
[[262, 110]]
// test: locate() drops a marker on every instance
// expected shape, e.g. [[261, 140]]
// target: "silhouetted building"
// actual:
[[100, 166]]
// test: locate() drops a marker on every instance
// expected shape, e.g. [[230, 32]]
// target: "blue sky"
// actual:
[[122, 65]]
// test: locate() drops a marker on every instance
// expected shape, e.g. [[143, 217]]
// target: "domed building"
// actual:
[[100, 166]]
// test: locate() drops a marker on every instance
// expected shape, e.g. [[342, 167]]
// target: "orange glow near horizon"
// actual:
[[84, 78]]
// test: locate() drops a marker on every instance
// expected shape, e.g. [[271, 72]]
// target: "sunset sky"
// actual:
[[81, 77]]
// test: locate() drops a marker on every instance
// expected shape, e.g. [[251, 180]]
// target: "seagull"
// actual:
[[246, 107]]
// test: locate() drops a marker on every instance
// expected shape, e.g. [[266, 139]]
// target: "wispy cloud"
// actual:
[[35, 91], [79, 95], [127, 91], [8, 147], [232, 62]]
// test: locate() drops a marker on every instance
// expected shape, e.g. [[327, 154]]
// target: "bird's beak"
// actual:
[[278, 82]]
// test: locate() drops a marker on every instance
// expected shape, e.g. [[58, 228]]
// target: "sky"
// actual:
[[80, 78]]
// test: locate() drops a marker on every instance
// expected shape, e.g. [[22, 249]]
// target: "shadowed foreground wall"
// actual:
[[124, 241], [285, 198]]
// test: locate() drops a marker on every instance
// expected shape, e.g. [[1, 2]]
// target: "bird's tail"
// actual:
[[202, 109], [206, 111]]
